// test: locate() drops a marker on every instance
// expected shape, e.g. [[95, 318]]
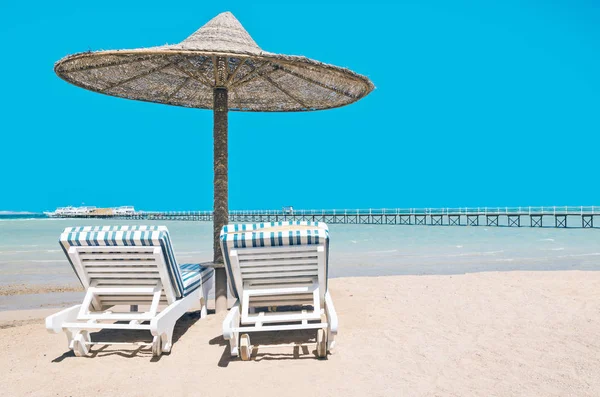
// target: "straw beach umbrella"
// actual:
[[218, 67]]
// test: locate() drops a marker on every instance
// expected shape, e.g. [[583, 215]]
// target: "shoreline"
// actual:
[[20, 296]]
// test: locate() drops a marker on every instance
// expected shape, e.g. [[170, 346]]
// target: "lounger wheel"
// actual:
[[245, 347], [321, 343], [156, 346]]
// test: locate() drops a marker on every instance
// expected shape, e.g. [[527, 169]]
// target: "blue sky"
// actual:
[[478, 103]]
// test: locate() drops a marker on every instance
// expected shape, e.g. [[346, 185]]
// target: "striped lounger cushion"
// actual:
[[272, 234], [185, 278]]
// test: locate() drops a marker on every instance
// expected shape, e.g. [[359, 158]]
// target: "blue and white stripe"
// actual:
[[125, 236], [193, 275], [112, 228], [255, 226], [271, 234]]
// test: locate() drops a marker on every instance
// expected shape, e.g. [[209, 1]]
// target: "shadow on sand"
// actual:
[[272, 338], [131, 336]]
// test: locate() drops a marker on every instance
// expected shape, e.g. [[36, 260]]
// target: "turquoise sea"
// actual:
[[30, 254]]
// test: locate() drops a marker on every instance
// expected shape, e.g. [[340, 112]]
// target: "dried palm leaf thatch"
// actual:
[[221, 54]]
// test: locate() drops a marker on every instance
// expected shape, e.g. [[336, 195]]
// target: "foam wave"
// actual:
[[381, 252], [476, 253], [579, 255], [416, 255], [28, 252], [32, 261]]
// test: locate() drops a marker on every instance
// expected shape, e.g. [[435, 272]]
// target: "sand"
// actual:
[[484, 334]]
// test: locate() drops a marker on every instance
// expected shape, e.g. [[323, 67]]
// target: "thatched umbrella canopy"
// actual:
[[218, 67]]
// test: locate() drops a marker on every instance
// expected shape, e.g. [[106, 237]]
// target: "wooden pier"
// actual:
[[560, 217]]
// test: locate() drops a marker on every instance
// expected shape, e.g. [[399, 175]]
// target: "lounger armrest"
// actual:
[[332, 318], [54, 323], [167, 318], [231, 321]]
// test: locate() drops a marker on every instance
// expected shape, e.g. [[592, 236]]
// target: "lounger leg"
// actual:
[[208, 285], [204, 301], [231, 322], [234, 344], [332, 321], [69, 335], [203, 309], [167, 339], [164, 323]]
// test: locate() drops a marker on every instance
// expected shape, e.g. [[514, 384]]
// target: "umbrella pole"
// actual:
[[221, 205]]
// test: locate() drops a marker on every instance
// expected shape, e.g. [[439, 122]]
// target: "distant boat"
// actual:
[[125, 210], [75, 212], [61, 212]]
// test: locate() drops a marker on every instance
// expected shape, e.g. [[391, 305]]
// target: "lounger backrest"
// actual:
[[122, 258], [276, 255]]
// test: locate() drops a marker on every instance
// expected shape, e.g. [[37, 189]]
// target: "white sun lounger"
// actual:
[[132, 266], [282, 266]]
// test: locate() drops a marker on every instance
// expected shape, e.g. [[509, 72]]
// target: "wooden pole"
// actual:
[[221, 205]]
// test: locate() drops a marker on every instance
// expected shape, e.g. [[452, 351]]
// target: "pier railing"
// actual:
[[462, 216], [574, 210]]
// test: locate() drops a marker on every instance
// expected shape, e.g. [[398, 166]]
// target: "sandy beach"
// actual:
[[484, 334]]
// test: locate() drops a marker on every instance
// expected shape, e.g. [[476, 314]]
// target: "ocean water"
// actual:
[[30, 253]]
